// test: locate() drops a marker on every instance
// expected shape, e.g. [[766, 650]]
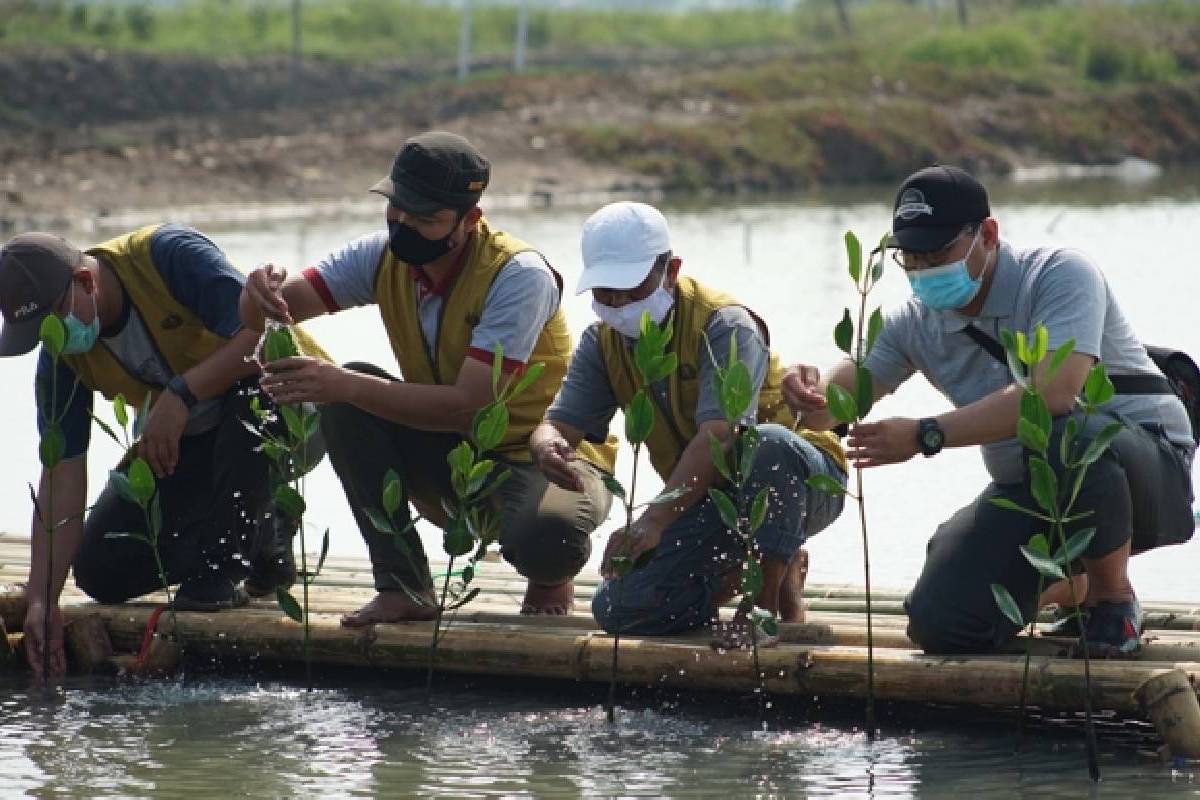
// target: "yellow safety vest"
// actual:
[[695, 304], [462, 309], [177, 331]]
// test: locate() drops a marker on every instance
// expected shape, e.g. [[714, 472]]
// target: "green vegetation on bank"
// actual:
[[1100, 41]]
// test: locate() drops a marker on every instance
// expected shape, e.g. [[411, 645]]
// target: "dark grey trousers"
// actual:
[[545, 530], [1140, 488]]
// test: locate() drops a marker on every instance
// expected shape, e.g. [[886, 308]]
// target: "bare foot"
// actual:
[[554, 601], [791, 593], [390, 606], [735, 634]]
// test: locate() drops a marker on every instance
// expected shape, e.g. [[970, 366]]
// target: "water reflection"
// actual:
[[233, 738]]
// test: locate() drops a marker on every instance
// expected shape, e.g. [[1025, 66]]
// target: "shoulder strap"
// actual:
[[1124, 384]]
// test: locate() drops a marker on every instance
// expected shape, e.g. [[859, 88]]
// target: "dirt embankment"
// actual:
[[86, 134]]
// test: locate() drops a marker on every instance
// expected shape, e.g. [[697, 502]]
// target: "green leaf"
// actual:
[[665, 496], [139, 421], [458, 541], [748, 442], [120, 482], [752, 577], [478, 475], [1067, 443], [393, 492], [1009, 505], [468, 573], [324, 552], [717, 451], [614, 486], [462, 601], [528, 378], [289, 502], [104, 426], [736, 392], [53, 335], [843, 333], [460, 459], [1007, 605], [1044, 484], [489, 426], [497, 481], [826, 484], [1035, 412], [1098, 445], [1031, 436], [497, 365], [758, 509], [156, 521], [289, 605], [725, 508], [766, 623], [52, 446], [1043, 564], [1039, 544], [1098, 389], [864, 391], [379, 520], [295, 424], [841, 403], [853, 256], [662, 367], [141, 479], [639, 418], [1023, 348], [312, 424], [1041, 344], [1056, 360], [874, 328], [120, 411], [1075, 546]]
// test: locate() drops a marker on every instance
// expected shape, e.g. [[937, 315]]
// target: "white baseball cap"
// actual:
[[620, 245]]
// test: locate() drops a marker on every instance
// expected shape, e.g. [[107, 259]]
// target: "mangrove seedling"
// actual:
[[1055, 494], [736, 392], [653, 364], [293, 452], [137, 485], [472, 521], [849, 407]]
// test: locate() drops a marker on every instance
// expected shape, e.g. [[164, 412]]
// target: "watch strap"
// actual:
[[178, 386]]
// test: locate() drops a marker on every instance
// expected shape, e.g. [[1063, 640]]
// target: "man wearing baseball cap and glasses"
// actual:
[[630, 268], [449, 288], [154, 314], [968, 285]]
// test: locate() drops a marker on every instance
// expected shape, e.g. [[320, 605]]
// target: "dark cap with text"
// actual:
[[933, 205], [436, 170], [35, 270]]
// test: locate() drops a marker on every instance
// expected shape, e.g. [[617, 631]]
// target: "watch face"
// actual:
[[932, 438]]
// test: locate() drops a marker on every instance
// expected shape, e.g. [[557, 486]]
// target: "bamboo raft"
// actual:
[[825, 656]]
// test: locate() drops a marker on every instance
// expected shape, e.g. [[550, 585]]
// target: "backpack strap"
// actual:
[[1124, 384]]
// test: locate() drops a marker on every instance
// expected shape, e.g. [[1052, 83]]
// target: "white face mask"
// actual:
[[628, 318]]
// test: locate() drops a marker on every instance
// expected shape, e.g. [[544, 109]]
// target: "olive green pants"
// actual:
[[545, 530]]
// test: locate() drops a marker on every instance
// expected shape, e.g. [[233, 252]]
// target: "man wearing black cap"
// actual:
[[449, 288], [969, 285], [150, 314]]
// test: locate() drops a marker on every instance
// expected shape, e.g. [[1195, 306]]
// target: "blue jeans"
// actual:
[[677, 590]]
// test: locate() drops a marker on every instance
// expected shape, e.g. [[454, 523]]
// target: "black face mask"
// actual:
[[411, 247]]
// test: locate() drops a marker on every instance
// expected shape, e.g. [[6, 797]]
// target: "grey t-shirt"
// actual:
[[1057, 287], [586, 400], [520, 301]]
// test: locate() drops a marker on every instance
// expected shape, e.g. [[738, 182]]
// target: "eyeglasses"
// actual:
[[909, 261]]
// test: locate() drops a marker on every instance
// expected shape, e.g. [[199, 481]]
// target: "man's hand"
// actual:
[[643, 536], [304, 379], [35, 643], [554, 457], [263, 291], [889, 441], [802, 389], [160, 438]]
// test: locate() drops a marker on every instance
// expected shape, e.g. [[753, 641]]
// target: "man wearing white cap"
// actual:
[[630, 268]]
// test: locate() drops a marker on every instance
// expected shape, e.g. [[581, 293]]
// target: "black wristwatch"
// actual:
[[178, 386], [930, 437]]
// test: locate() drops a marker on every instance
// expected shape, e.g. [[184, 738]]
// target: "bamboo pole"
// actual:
[[518, 650]]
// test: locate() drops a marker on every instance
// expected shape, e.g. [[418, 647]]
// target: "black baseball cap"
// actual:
[[933, 205], [436, 170], [35, 271]]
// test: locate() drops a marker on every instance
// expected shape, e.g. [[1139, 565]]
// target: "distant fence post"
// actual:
[[843, 16], [522, 35], [464, 43], [962, 13]]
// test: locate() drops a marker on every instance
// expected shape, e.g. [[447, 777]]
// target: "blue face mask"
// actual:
[[81, 337], [949, 286]]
